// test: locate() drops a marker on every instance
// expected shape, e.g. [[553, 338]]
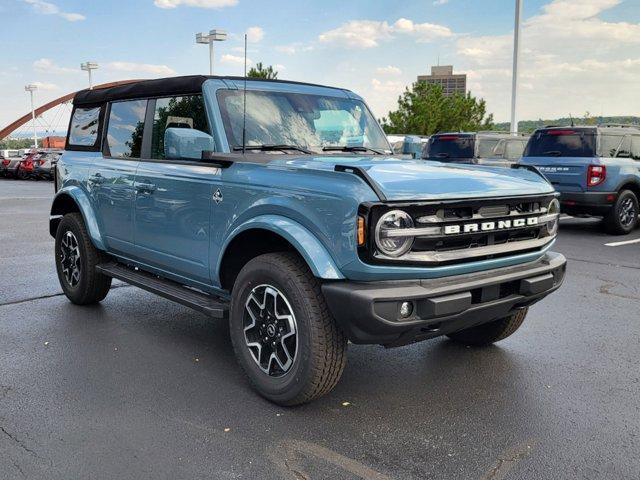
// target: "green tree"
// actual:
[[260, 71], [16, 143], [423, 109]]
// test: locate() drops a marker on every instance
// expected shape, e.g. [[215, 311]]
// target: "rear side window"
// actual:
[[609, 145], [180, 112], [486, 146], [126, 125], [444, 147], [514, 149], [564, 142], [635, 147], [83, 131]]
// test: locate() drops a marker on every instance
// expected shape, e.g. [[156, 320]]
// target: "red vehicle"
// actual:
[[27, 165]]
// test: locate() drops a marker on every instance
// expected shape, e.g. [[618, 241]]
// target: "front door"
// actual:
[[173, 198]]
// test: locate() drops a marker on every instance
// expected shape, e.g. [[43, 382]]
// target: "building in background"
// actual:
[[443, 75], [53, 142]]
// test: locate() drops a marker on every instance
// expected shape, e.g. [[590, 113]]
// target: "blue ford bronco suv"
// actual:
[[596, 169], [279, 206]]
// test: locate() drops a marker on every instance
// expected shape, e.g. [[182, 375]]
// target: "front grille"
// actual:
[[462, 231]]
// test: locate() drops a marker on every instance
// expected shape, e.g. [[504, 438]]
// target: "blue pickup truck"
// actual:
[[596, 169], [279, 206]]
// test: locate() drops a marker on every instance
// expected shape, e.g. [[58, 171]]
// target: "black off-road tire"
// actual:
[[320, 355], [92, 287], [492, 332], [613, 221]]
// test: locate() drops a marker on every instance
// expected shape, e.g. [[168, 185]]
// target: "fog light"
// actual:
[[406, 309]]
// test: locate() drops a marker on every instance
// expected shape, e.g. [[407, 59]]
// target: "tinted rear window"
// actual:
[[84, 127], [566, 142], [450, 146]]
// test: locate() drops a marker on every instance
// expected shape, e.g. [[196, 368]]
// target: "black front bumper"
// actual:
[[587, 203], [370, 312]]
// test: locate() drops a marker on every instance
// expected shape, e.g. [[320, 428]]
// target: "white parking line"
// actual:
[[619, 244]]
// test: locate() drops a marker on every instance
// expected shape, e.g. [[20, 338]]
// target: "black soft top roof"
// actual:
[[157, 88]]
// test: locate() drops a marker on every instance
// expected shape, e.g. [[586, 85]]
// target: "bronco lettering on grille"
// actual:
[[490, 226]]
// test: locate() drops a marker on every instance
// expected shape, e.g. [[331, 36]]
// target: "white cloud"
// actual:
[[423, 32], [572, 61], [392, 88], [389, 70], [46, 86], [234, 59], [369, 33], [437, 3], [294, 48], [46, 8], [47, 65], [195, 3], [145, 68], [255, 34], [279, 67]]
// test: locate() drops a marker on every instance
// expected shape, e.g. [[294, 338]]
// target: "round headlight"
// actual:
[[553, 213], [389, 238]]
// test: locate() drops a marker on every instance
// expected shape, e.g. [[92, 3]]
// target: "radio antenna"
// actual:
[[244, 99]]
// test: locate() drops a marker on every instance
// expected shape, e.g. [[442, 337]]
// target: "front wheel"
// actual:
[[283, 335], [623, 216], [76, 261], [491, 332]]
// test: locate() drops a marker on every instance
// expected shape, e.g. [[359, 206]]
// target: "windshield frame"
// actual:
[[234, 144]]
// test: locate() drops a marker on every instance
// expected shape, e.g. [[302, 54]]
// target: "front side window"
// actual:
[[83, 131], [486, 146], [126, 125], [609, 145], [308, 121], [514, 149], [176, 112], [562, 142]]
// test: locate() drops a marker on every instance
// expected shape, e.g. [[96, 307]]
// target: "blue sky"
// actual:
[[578, 55]]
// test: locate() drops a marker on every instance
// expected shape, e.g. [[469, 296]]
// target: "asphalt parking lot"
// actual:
[[139, 387]]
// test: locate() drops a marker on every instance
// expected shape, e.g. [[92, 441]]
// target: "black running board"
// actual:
[[212, 306]]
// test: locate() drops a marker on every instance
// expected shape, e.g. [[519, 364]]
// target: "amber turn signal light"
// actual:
[[361, 231]]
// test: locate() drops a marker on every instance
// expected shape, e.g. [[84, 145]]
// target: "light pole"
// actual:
[[213, 36], [516, 57], [87, 67], [32, 88]]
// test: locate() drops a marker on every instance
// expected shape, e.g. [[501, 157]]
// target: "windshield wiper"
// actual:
[[346, 148], [442, 155], [270, 147], [552, 153]]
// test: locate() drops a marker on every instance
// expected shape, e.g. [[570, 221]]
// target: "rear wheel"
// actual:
[[283, 335], [491, 332], [623, 216], [76, 261]]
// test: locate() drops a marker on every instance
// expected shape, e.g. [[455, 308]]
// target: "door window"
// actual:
[[126, 125], [624, 151], [179, 112]]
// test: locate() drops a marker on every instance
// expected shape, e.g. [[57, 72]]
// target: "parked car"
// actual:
[[295, 222], [26, 166], [469, 147], [596, 169], [507, 152], [44, 165], [408, 145], [9, 166]]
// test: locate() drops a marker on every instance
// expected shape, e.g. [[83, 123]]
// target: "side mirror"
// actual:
[[186, 143]]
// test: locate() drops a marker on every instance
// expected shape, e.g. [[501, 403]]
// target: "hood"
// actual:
[[401, 179]]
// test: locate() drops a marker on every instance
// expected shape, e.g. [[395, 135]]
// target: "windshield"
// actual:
[[565, 142], [443, 147], [312, 122]]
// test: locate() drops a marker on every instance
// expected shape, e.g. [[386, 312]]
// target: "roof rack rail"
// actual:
[[619, 125]]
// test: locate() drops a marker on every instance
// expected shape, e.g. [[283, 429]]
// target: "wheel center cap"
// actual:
[[271, 329]]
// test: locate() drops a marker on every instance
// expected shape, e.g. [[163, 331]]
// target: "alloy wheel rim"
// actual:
[[70, 258], [270, 330], [627, 212]]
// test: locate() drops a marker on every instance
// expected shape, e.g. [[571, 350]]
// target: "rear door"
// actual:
[[173, 197], [111, 180], [563, 156]]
